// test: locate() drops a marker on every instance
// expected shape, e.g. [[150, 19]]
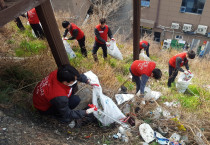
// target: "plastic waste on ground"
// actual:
[[114, 51], [171, 104], [143, 56], [121, 98], [147, 133], [175, 137], [69, 51], [126, 109], [151, 95], [183, 82], [103, 103], [72, 124], [159, 112]]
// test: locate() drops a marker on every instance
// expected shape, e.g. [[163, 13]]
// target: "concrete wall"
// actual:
[[164, 12]]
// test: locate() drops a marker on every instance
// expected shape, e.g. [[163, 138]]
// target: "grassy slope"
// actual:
[[111, 73]]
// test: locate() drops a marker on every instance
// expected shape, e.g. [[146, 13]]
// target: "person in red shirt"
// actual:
[[101, 32], [176, 62], [54, 95], [144, 45], [143, 69], [76, 33], [33, 20]]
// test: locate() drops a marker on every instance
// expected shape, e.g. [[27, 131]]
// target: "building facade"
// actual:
[[186, 20]]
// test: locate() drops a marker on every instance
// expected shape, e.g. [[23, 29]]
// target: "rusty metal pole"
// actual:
[[50, 27], [136, 28]]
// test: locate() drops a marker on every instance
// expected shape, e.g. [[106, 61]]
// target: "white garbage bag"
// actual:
[[183, 82], [121, 98], [69, 51], [143, 56], [151, 95], [114, 51], [104, 103]]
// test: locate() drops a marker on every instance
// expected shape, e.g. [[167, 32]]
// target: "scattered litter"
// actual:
[[121, 98], [178, 123], [4, 129], [115, 136], [171, 104], [183, 82], [72, 124], [161, 140], [147, 133], [175, 137], [114, 51], [198, 138], [151, 95], [159, 112], [88, 136], [57, 132], [145, 143], [69, 51], [163, 130], [126, 109]]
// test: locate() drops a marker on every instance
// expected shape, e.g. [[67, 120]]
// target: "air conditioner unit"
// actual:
[[187, 27], [182, 9], [166, 44], [174, 26], [202, 29]]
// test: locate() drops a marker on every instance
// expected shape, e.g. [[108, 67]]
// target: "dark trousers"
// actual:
[[137, 80], [74, 101], [147, 51], [172, 75], [37, 30], [82, 46], [96, 47], [19, 23]]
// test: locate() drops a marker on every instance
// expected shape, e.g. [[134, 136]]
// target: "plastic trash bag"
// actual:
[[183, 82], [143, 56], [151, 95], [103, 103], [114, 51], [69, 51], [121, 98]]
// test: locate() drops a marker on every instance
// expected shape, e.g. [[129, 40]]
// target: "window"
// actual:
[[145, 3], [192, 6]]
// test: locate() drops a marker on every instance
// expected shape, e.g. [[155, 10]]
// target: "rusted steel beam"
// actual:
[[18, 8], [50, 27], [136, 28]]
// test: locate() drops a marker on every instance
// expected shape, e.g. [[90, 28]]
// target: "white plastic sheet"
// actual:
[[103, 103], [69, 51], [114, 51], [121, 98], [151, 95], [147, 133], [143, 56], [183, 82]]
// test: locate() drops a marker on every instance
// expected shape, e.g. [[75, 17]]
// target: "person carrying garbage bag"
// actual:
[[145, 70], [101, 32], [144, 45], [54, 95], [176, 62], [76, 33]]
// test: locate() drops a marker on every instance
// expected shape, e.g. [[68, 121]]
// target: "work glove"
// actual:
[[65, 38], [186, 73], [107, 44], [113, 39], [92, 84], [90, 110]]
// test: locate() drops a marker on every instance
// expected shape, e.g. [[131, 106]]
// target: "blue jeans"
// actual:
[[137, 81]]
